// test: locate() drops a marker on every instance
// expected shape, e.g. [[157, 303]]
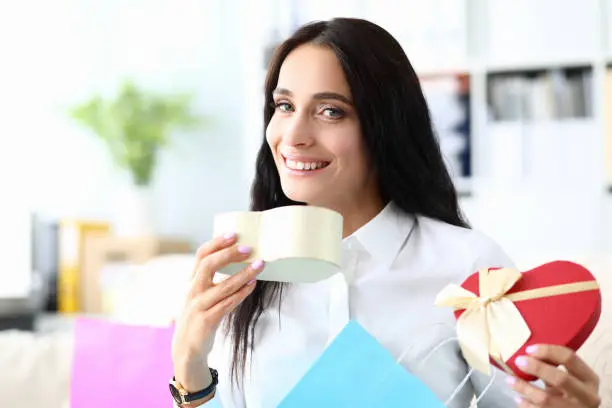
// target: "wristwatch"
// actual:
[[183, 397]]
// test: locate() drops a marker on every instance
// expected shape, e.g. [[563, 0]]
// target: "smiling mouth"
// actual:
[[297, 165]]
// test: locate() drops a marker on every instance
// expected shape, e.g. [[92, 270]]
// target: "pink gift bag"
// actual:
[[120, 366]]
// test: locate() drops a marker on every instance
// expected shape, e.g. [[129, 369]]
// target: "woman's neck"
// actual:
[[358, 210], [356, 214]]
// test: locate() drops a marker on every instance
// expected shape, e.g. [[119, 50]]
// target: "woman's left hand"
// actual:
[[575, 385]]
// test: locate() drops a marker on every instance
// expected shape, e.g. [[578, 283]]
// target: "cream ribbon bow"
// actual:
[[491, 324]]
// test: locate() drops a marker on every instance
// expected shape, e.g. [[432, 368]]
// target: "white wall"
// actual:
[[543, 225], [59, 52]]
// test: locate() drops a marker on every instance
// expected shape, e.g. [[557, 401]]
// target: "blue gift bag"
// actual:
[[356, 371]]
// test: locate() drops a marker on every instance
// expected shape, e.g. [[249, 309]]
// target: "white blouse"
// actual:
[[393, 268]]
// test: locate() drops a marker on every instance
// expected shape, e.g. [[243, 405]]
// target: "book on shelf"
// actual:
[[544, 95]]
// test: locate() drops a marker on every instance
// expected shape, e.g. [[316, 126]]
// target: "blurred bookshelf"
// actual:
[[541, 95], [527, 105]]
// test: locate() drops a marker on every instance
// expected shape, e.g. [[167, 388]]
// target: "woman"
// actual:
[[347, 128]]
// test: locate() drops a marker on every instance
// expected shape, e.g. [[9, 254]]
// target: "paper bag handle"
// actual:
[[465, 379]]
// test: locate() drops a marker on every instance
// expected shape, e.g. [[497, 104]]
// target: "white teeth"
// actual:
[[296, 165]]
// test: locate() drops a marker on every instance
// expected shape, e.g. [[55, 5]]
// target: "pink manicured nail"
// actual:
[[518, 399], [252, 281], [521, 361], [510, 380], [257, 264], [229, 235], [531, 349], [244, 249]]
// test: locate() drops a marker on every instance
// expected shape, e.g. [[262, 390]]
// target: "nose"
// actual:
[[298, 131]]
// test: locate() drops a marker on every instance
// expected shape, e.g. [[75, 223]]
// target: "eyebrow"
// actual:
[[318, 95]]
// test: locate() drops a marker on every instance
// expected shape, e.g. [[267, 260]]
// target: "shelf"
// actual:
[[506, 67], [537, 65], [543, 123]]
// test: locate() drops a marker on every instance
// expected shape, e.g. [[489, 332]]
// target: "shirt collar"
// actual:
[[384, 235]]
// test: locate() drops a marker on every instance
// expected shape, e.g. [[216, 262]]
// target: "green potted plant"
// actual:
[[136, 125]]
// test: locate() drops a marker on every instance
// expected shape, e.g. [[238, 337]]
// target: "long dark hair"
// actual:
[[398, 133]]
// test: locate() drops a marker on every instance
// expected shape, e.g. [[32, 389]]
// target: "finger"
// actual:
[[554, 391], [523, 403], [215, 261], [228, 304], [214, 245], [234, 283], [532, 394], [228, 287], [560, 379], [556, 403], [558, 355]]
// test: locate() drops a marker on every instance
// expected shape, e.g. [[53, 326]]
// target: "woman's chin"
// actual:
[[305, 197]]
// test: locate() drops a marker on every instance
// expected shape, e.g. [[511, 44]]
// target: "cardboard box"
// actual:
[[101, 251]]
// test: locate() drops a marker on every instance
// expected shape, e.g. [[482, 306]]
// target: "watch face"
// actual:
[[215, 376], [175, 394]]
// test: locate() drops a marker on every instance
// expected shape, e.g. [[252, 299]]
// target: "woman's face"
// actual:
[[315, 135]]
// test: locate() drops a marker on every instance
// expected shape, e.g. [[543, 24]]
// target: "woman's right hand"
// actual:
[[207, 302]]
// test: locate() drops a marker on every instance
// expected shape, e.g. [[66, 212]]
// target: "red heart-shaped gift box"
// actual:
[[565, 320]]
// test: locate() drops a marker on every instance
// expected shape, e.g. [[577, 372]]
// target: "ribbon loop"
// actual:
[[491, 324]]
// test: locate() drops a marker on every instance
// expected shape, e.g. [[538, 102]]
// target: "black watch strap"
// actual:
[[181, 396]]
